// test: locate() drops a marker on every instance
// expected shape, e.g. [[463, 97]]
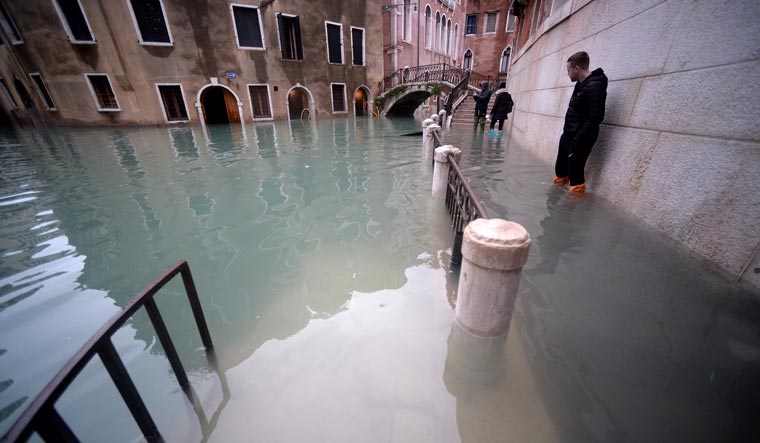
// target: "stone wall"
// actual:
[[680, 143]]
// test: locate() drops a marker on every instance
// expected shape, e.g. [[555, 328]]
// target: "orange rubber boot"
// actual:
[[580, 189], [561, 180]]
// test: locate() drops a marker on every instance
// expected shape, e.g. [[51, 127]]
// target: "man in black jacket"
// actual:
[[481, 104], [584, 115]]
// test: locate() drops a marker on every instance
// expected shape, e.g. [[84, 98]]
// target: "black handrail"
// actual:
[[41, 416], [459, 90], [463, 206]]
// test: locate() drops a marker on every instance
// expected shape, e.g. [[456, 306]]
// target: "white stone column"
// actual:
[[427, 139], [441, 168], [435, 118], [494, 253]]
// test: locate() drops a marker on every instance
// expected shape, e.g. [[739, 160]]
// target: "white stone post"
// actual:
[[494, 253], [427, 139], [435, 118], [441, 168], [429, 144]]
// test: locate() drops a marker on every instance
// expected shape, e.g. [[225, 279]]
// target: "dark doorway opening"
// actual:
[[298, 104], [219, 106], [361, 104]]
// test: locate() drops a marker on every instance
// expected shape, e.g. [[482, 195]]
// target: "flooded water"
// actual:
[[322, 266]]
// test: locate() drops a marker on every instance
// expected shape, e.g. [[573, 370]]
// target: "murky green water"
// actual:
[[322, 265]]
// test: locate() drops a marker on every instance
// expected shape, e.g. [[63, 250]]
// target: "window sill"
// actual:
[[263, 119], [340, 112], [83, 42], [109, 110], [333, 63], [156, 43], [251, 48], [292, 59], [173, 122]]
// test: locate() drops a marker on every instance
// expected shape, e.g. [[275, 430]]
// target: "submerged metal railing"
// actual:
[[463, 206], [41, 416]]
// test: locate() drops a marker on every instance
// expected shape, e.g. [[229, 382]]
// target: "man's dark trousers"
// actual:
[[572, 155]]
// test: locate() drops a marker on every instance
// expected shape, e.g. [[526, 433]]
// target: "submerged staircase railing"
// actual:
[[41, 416]]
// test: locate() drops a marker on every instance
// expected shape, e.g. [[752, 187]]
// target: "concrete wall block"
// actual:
[[703, 192], [618, 163], [687, 102], [555, 39], [578, 4], [609, 13], [580, 23], [638, 46], [547, 71], [621, 97], [545, 102], [712, 34]]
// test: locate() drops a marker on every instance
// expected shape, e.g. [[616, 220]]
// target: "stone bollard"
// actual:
[[494, 252], [428, 143], [427, 122], [435, 118], [441, 169]]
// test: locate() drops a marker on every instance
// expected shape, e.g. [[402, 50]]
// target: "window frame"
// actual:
[[8, 95], [269, 98], [163, 108], [52, 108], [67, 28], [261, 27], [279, 35], [495, 22], [139, 33], [332, 98], [327, 43], [514, 22], [364, 45], [10, 23], [467, 25], [95, 96]]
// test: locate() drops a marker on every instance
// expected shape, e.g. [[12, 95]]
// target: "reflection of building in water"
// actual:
[[213, 62]]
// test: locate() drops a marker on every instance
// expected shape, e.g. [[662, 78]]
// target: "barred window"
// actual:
[[104, 96], [174, 103], [260, 101], [339, 97]]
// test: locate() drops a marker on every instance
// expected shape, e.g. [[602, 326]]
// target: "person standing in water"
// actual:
[[584, 115], [481, 104], [502, 106]]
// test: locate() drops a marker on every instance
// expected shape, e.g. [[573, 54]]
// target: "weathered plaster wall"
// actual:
[[680, 144], [487, 47], [204, 46]]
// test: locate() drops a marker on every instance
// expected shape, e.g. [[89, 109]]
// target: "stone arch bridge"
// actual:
[[406, 89]]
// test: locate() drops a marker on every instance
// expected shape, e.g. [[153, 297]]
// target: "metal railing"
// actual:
[[41, 416], [437, 72], [463, 206], [458, 92]]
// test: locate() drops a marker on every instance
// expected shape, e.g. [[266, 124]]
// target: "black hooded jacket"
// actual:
[[481, 100], [502, 105], [586, 109]]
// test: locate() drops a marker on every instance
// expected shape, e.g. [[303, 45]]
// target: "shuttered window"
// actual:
[[104, 96], [174, 103], [290, 37], [248, 27], [334, 42], [74, 21], [339, 97], [151, 23], [260, 101], [43, 92], [357, 46]]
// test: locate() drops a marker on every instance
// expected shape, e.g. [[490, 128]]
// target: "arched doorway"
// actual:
[[220, 106], [300, 103], [361, 101], [467, 60]]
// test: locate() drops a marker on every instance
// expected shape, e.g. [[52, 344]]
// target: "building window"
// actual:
[[467, 60], [9, 26], [43, 91], [428, 27], [101, 89], [247, 26], [74, 21], [504, 63], [471, 26], [8, 96], [261, 108], [491, 23], [290, 37], [357, 46], [150, 21], [173, 102], [437, 31], [407, 11], [334, 33], [338, 97], [510, 22], [448, 37]]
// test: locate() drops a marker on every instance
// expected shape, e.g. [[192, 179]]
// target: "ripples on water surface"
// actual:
[[322, 267]]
